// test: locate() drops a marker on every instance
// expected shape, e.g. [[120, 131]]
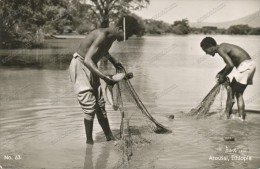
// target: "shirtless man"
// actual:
[[85, 74], [233, 56]]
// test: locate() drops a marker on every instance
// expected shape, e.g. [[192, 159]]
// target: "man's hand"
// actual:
[[119, 67], [129, 76], [218, 75], [109, 81], [221, 79]]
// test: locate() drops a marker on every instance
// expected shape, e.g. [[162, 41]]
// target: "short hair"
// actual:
[[131, 24], [208, 42]]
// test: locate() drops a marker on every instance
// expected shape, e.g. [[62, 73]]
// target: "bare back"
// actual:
[[236, 53]]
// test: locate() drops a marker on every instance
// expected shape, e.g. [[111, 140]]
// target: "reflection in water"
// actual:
[[102, 159], [98, 156], [88, 164]]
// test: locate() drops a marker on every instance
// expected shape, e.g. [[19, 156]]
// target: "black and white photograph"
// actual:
[[129, 84]]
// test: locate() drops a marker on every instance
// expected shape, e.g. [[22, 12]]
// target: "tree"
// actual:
[[156, 27], [107, 10], [181, 27], [58, 17], [239, 29], [255, 31], [21, 20], [84, 20], [209, 29]]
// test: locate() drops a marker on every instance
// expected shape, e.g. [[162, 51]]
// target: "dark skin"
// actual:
[[96, 45], [232, 55]]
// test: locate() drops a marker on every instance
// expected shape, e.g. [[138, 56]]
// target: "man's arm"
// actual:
[[89, 62], [111, 59], [220, 72], [229, 64], [116, 64]]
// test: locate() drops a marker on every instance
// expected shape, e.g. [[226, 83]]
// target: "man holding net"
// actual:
[[85, 75], [233, 56]]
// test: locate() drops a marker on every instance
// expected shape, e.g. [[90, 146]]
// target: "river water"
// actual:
[[41, 123]]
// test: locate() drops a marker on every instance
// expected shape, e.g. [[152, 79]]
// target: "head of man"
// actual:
[[131, 27], [209, 45]]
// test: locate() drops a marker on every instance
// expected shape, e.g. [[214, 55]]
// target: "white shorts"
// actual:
[[245, 72]]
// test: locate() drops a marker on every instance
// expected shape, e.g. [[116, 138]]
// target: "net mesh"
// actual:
[[137, 124], [213, 102], [131, 97]]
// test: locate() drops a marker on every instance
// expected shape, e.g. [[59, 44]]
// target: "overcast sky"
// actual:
[[199, 10]]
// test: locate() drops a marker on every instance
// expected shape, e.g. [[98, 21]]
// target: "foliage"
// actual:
[[83, 18], [181, 27], [233, 30], [156, 27], [141, 28], [239, 29], [22, 20], [28, 21], [254, 31], [108, 10], [209, 29], [159, 27]]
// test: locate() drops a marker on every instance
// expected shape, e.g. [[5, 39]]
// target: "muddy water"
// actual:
[[41, 124]]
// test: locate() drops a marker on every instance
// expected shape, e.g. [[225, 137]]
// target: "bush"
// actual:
[[255, 31], [239, 29]]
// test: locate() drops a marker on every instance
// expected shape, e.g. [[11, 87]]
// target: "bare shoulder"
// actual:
[[104, 34], [107, 32], [225, 47], [97, 36]]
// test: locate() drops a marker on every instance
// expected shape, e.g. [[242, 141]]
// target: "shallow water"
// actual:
[[42, 122]]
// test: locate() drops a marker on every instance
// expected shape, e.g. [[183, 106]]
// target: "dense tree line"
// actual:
[[159, 27], [22, 20], [182, 27], [29, 21]]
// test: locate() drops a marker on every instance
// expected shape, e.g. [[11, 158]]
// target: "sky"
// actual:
[[199, 10]]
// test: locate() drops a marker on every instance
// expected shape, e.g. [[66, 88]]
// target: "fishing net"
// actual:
[[137, 124], [208, 105]]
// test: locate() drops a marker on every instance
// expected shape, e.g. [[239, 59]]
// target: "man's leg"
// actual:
[[87, 103], [80, 78], [230, 99], [102, 116], [239, 90], [103, 121], [89, 129], [241, 105]]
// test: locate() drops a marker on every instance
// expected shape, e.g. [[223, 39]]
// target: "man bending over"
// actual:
[[85, 74], [233, 56]]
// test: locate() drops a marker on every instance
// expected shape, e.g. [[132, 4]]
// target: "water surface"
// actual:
[[42, 122]]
